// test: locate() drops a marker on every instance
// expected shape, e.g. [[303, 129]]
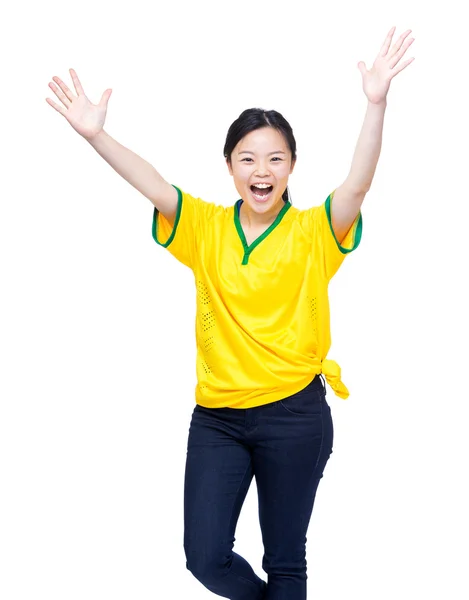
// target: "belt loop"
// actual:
[[323, 381]]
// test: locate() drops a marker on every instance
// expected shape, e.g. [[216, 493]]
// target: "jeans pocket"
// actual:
[[307, 402]]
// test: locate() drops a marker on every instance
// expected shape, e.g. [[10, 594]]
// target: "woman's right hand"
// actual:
[[86, 118]]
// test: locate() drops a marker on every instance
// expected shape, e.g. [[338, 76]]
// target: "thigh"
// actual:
[[217, 479], [288, 463]]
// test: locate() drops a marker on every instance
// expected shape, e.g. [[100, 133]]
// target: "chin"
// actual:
[[261, 207]]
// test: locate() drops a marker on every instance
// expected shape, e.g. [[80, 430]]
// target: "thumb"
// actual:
[[362, 67], [105, 98]]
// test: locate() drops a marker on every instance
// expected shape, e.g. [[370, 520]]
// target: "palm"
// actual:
[[377, 80], [86, 118]]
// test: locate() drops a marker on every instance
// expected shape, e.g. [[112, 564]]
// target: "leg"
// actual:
[[295, 442], [218, 476]]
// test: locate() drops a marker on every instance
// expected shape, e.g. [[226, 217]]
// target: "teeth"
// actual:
[[262, 186]]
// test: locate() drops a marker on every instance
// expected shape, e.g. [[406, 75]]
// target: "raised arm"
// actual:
[[88, 120], [349, 197]]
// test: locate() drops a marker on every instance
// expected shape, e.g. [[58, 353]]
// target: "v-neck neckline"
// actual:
[[248, 248]]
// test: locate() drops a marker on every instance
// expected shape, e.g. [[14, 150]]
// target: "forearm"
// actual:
[[368, 149], [133, 168]]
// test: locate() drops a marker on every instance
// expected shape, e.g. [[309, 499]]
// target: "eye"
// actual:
[[245, 159], [277, 158]]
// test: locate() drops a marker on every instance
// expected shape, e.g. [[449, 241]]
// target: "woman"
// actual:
[[262, 269]]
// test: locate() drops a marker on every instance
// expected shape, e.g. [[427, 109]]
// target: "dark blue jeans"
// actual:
[[285, 445]]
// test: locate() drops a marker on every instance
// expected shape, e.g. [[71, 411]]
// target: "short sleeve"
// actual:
[[180, 238], [325, 243]]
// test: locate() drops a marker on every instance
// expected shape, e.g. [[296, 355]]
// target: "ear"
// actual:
[[229, 167], [292, 166]]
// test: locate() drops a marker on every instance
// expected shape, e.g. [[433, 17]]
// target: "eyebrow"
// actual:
[[270, 153]]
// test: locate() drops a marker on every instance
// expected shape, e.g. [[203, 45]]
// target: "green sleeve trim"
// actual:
[[176, 221], [357, 228]]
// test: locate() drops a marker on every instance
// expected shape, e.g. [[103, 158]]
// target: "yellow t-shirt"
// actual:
[[262, 319]]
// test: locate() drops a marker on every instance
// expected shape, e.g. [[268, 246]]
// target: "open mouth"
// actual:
[[261, 191]]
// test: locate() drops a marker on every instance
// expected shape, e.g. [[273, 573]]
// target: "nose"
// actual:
[[262, 169]]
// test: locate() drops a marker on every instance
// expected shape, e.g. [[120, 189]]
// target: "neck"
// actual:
[[250, 218]]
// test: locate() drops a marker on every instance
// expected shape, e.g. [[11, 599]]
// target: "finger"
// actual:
[[64, 88], [56, 106], [105, 98], [387, 42], [397, 57], [405, 64], [59, 95], [76, 82], [362, 67], [399, 42]]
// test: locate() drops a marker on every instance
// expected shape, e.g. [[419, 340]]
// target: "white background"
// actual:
[[97, 321]]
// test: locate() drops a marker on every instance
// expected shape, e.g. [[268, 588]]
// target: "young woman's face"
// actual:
[[260, 166]]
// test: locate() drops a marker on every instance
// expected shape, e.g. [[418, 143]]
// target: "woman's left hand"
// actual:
[[387, 65]]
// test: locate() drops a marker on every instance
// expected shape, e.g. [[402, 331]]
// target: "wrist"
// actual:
[[381, 105], [96, 138]]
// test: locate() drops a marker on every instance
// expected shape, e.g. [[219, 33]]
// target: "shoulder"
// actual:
[[202, 207], [194, 214], [307, 218]]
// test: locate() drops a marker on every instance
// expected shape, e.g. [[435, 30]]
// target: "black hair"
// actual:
[[256, 118]]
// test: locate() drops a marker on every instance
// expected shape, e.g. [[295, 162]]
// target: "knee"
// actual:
[[207, 567], [293, 566]]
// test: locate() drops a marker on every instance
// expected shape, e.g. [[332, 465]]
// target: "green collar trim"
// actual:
[[248, 249]]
